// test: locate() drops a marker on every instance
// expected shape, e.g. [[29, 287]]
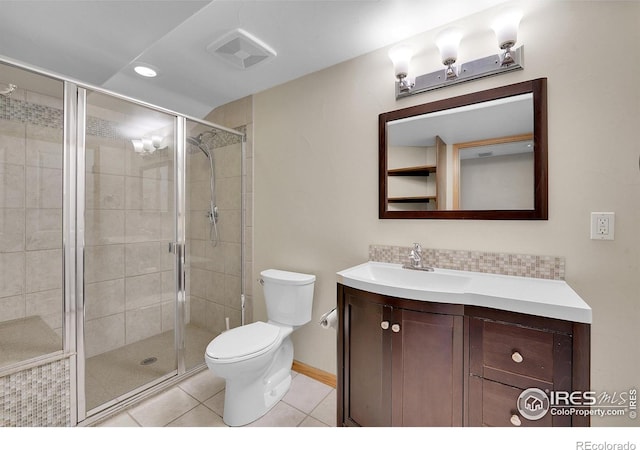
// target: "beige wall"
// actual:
[[316, 165]]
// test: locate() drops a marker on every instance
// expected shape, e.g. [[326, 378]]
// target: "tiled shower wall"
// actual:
[[31, 208], [31, 252], [131, 287], [239, 115], [129, 222], [214, 274]]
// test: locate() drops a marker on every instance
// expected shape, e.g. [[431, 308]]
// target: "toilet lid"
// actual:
[[243, 341]]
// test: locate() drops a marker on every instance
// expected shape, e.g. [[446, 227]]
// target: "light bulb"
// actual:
[[156, 141], [448, 42], [401, 55], [138, 147], [506, 28]]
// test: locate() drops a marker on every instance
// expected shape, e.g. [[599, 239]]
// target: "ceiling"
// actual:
[[98, 42], [510, 116]]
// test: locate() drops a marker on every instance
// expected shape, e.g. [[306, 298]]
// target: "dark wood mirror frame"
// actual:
[[538, 88]]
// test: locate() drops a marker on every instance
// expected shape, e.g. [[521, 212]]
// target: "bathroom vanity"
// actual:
[[455, 348]]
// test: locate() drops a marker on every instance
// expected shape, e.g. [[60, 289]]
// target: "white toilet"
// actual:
[[255, 359]]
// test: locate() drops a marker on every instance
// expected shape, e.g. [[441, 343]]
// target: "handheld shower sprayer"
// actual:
[[212, 214]]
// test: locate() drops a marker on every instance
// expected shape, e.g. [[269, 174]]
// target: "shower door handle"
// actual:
[[178, 249]]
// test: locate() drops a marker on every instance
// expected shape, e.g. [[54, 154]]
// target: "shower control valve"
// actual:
[[213, 215]]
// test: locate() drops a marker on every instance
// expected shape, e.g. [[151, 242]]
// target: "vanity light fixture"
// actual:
[[400, 56], [506, 29], [447, 41], [147, 146]]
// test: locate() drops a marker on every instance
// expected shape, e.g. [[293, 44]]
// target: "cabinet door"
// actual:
[[367, 363], [427, 372]]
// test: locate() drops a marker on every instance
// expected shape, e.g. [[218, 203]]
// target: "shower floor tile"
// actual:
[[112, 374]]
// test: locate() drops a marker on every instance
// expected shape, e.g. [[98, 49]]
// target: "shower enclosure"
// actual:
[[121, 240]]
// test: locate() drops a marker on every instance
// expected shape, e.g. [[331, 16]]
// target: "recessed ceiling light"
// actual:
[[146, 71]]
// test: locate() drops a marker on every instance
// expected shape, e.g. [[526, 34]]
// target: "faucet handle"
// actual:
[[417, 247]]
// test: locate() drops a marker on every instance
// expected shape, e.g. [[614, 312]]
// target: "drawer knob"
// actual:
[[517, 357], [395, 327], [515, 420], [384, 325]]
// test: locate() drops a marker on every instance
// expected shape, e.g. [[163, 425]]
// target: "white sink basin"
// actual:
[[394, 275], [546, 298]]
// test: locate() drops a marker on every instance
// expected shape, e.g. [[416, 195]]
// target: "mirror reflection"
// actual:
[[493, 174], [468, 156]]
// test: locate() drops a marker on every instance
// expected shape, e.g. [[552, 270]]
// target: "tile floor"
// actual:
[[198, 402]]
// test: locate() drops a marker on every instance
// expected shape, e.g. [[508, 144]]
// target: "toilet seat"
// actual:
[[244, 342]]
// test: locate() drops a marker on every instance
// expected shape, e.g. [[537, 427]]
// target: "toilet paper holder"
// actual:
[[329, 319], [325, 315]]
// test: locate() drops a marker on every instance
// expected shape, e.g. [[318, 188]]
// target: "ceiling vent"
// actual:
[[241, 49]]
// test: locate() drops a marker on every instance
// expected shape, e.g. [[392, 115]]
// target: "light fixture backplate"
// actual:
[[472, 70]]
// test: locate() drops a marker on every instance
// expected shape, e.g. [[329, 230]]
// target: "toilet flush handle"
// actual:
[[261, 281]]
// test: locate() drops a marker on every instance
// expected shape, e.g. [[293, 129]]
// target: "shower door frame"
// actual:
[[73, 245], [75, 133]]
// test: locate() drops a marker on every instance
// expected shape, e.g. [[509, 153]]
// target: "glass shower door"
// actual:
[[129, 271]]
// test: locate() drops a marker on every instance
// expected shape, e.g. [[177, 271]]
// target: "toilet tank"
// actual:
[[288, 295]]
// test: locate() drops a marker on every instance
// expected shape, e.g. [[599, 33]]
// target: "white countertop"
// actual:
[[539, 297]]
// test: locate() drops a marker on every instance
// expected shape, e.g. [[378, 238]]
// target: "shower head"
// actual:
[[198, 142], [198, 138], [194, 141], [10, 88]]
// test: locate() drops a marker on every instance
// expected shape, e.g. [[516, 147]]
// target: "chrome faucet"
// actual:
[[415, 257]]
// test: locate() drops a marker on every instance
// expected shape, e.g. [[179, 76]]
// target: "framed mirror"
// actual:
[[476, 156]]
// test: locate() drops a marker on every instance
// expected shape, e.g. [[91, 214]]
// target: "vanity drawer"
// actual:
[[516, 350], [499, 407]]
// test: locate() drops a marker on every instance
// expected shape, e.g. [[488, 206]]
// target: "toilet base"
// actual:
[[247, 400]]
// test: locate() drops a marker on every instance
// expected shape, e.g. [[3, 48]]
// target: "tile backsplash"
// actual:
[[533, 266]]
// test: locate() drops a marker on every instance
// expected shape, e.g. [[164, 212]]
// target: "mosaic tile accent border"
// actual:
[[47, 116], [27, 112], [103, 128], [37, 397], [532, 266]]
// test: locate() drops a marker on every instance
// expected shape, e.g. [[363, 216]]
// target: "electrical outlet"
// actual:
[[602, 225]]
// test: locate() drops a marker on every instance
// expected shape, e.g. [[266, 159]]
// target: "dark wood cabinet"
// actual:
[[427, 373], [511, 352], [415, 363], [400, 367], [368, 397]]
